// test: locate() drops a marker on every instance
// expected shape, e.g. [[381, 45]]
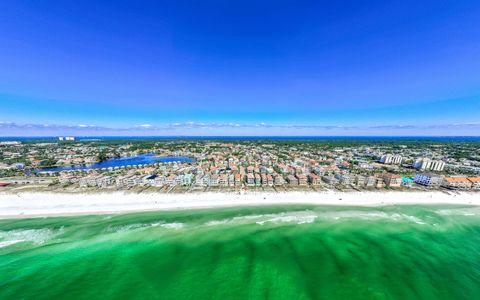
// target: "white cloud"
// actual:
[[144, 126], [13, 128]]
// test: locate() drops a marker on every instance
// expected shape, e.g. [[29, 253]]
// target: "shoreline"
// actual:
[[48, 204]]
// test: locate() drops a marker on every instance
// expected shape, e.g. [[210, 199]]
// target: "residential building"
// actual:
[[392, 180], [360, 180], [426, 179], [391, 159], [380, 183], [370, 181], [314, 179], [214, 180], [345, 179], [258, 179], [269, 179], [330, 179], [292, 180], [250, 179], [278, 179], [302, 179], [223, 180], [238, 179], [475, 182], [428, 164], [187, 179], [457, 183]]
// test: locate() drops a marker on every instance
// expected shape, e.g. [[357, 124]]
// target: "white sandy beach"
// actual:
[[56, 204]]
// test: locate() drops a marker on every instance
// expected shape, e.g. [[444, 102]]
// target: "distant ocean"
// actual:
[[254, 138], [289, 252]]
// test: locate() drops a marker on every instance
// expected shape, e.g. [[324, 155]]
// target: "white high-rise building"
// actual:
[[391, 159], [428, 164]]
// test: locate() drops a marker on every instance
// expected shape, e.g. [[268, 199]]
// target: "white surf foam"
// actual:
[[142, 226], [172, 225], [366, 215], [300, 217], [36, 236], [8, 243]]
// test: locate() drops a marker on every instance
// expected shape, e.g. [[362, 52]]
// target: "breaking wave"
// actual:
[[35, 236], [142, 226], [361, 215], [286, 217], [304, 217], [468, 212]]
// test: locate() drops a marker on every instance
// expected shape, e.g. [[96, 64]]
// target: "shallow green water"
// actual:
[[294, 252]]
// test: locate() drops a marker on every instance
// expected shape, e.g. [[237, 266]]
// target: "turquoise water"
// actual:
[[287, 252]]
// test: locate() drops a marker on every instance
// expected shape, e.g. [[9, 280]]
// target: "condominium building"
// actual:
[[428, 179], [391, 159], [429, 164], [457, 183]]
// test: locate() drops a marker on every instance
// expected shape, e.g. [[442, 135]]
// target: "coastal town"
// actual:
[[182, 166]]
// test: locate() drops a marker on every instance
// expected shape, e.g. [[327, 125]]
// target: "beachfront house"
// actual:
[[302, 179], [292, 180], [345, 179], [159, 180], [314, 179], [250, 179], [187, 179], [392, 180], [149, 179], [380, 183], [278, 179], [223, 180], [370, 181], [360, 180], [330, 179], [238, 179], [269, 179], [171, 179], [258, 179], [214, 180]]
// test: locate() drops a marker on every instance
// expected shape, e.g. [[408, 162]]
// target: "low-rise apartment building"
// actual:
[[431, 180], [457, 183]]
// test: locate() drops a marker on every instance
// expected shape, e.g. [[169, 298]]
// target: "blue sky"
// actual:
[[240, 68]]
